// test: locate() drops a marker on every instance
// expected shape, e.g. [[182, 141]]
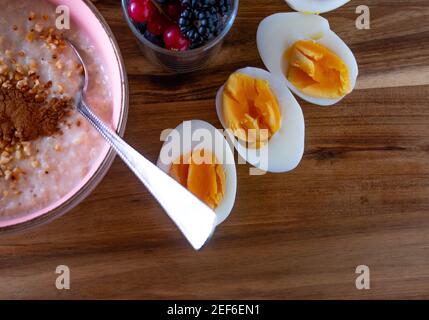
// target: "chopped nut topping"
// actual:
[[35, 163], [30, 36], [38, 27], [7, 175], [4, 69], [32, 16], [59, 65]]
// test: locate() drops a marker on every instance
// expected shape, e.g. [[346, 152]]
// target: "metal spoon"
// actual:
[[196, 220]]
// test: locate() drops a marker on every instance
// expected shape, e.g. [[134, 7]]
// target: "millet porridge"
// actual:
[[34, 58]]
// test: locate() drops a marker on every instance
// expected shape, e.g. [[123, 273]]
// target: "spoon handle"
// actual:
[[194, 219]]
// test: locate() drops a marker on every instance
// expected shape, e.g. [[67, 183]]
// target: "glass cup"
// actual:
[[182, 61]]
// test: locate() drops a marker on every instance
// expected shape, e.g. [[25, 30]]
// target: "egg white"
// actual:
[[222, 152], [288, 28], [285, 149], [315, 6]]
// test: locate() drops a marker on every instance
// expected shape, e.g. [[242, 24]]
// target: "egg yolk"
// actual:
[[201, 173], [317, 71], [250, 109]]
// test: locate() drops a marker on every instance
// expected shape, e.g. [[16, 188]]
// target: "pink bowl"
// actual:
[[87, 18]]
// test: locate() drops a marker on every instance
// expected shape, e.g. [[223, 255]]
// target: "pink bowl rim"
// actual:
[[94, 177]]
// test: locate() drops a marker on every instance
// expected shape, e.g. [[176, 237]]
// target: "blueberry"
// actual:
[[152, 38], [141, 27]]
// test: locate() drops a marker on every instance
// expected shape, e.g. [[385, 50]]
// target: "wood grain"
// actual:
[[360, 195]]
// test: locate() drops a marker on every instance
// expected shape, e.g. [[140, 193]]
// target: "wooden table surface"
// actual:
[[359, 197]]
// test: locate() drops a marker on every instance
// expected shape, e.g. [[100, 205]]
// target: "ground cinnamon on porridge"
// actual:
[[50, 148], [25, 119], [29, 110]]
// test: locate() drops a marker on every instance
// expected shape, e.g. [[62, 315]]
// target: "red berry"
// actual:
[[141, 10], [174, 39], [184, 44], [171, 35], [157, 24]]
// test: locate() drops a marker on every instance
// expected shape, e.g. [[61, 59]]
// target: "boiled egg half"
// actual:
[[310, 58], [315, 6], [264, 121], [198, 156]]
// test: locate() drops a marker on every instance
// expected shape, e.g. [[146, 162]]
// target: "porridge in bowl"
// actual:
[[46, 147]]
